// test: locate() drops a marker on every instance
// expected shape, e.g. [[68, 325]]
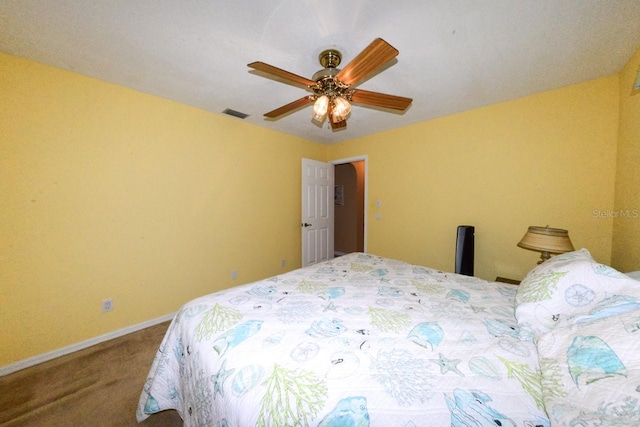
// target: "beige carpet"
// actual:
[[97, 386]]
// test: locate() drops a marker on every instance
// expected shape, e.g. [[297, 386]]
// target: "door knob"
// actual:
[[306, 224]]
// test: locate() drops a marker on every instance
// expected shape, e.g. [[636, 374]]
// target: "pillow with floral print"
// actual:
[[572, 287]]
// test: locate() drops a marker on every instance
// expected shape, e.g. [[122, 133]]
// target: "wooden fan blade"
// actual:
[[380, 99], [373, 56], [289, 107], [278, 72]]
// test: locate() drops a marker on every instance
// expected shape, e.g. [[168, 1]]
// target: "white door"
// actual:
[[317, 211]]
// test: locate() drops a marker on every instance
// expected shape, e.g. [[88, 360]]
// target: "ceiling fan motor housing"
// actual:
[[326, 84], [325, 73]]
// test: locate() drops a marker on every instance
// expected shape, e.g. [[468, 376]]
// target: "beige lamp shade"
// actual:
[[547, 241]]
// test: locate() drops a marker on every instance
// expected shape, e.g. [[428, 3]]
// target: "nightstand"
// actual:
[[509, 281]]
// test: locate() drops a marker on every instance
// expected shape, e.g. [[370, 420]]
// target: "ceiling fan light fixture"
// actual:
[[333, 88], [320, 108], [341, 109]]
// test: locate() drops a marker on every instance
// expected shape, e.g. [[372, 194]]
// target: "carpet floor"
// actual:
[[97, 386]]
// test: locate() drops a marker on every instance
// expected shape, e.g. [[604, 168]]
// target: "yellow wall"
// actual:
[[110, 193], [547, 159], [626, 230]]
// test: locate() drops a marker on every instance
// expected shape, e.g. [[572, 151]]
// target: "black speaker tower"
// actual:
[[464, 250]]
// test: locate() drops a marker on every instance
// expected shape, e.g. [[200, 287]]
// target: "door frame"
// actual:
[[364, 158]]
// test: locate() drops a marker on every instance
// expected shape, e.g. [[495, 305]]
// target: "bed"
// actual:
[[365, 340]]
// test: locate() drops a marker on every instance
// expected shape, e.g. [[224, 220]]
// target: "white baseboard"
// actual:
[[32, 361]]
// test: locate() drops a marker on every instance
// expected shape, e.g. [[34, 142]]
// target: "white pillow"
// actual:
[[635, 275], [572, 287], [590, 372]]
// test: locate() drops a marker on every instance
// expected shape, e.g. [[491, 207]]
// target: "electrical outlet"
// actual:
[[234, 274], [107, 305], [283, 262]]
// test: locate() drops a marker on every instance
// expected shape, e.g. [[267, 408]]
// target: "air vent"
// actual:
[[235, 113]]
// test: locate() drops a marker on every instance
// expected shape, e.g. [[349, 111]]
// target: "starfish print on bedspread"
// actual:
[[330, 307], [219, 379], [447, 365]]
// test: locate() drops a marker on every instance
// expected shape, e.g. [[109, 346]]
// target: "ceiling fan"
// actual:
[[333, 89]]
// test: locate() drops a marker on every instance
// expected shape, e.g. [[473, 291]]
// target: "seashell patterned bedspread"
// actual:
[[358, 340]]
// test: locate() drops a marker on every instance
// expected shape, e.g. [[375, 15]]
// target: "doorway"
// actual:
[[350, 205]]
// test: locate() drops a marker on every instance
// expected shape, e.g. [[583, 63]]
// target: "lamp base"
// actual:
[[544, 256]]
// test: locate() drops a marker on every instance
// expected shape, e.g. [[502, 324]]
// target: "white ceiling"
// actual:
[[455, 55]]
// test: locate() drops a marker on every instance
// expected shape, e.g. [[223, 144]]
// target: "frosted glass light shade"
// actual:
[[320, 108], [341, 109]]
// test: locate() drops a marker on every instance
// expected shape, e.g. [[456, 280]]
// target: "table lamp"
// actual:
[[547, 241]]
